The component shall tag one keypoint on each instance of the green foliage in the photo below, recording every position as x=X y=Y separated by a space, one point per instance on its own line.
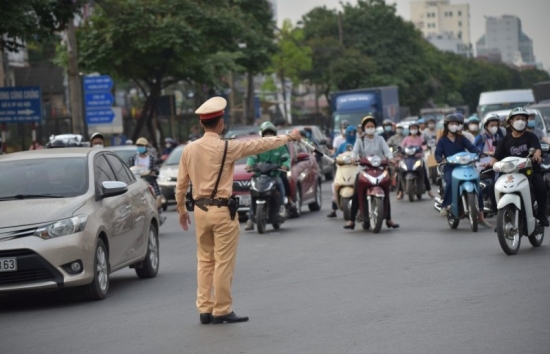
x=33 y=20
x=293 y=57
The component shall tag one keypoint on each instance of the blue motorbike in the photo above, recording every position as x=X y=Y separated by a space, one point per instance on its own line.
x=465 y=189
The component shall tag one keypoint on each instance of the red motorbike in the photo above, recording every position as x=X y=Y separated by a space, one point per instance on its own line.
x=373 y=186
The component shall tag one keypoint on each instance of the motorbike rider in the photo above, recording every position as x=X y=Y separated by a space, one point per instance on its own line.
x=273 y=156
x=451 y=143
x=473 y=126
x=461 y=130
x=531 y=127
x=429 y=133
x=415 y=139
x=421 y=124
x=388 y=129
x=97 y=140
x=341 y=137
x=169 y=146
x=370 y=145
x=351 y=134
x=146 y=161
x=398 y=137
x=517 y=143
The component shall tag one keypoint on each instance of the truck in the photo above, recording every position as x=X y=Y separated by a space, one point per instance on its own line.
x=506 y=100
x=379 y=102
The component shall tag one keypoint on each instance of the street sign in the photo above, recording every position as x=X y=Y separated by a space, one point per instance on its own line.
x=20 y=104
x=98 y=100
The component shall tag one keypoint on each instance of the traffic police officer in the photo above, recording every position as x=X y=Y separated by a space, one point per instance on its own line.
x=217 y=233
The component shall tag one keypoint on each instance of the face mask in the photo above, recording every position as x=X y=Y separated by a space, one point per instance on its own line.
x=460 y=127
x=473 y=127
x=431 y=126
x=531 y=124
x=414 y=131
x=98 y=145
x=453 y=128
x=387 y=128
x=519 y=125
x=167 y=145
x=370 y=131
x=493 y=130
x=141 y=149
x=400 y=131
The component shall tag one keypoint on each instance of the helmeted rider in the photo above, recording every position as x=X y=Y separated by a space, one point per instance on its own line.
x=398 y=137
x=274 y=156
x=340 y=138
x=517 y=143
x=370 y=145
x=461 y=130
x=473 y=126
x=145 y=160
x=351 y=137
x=532 y=127
x=388 y=129
x=451 y=143
x=421 y=124
x=429 y=133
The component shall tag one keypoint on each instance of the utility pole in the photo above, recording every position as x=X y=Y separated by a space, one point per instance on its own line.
x=75 y=87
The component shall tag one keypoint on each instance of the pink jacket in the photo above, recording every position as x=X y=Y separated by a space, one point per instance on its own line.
x=412 y=140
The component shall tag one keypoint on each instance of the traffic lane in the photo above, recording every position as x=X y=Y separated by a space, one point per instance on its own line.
x=313 y=287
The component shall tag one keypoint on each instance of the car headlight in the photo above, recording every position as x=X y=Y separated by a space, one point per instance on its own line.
x=163 y=178
x=62 y=227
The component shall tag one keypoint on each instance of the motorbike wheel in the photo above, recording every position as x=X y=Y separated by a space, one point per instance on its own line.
x=410 y=189
x=472 y=210
x=346 y=208
x=377 y=214
x=453 y=223
x=507 y=232
x=536 y=239
x=261 y=217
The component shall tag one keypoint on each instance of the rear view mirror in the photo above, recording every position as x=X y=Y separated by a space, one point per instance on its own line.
x=303 y=156
x=113 y=188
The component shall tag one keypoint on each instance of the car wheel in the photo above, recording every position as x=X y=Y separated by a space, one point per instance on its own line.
x=150 y=265
x=316 y=205
x=98 y=288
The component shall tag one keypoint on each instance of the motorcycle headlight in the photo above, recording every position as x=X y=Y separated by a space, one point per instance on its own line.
x=253 y=184
x=403 y=165
x=410 y=151
x=375 y=161
x=270 y=185
x=417 y=164
x=62 y=227
x=463 y=160
x=504 y=166
x=289 y=174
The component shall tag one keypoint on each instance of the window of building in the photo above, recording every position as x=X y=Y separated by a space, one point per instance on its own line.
x=459 y=13
x=459 y=23
x=451 y=14
x=459 y=35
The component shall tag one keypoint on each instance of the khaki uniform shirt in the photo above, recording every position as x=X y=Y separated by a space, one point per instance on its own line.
x=201 y=159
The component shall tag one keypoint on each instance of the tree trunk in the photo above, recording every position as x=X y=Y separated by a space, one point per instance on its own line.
x=142 y=118
x=250 y=111
x=283 y=88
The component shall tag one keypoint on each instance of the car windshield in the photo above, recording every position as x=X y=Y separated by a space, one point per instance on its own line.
x=125 y=155
x=174 y=157
x=545 y=111
x=500 y=107
x=43 y=178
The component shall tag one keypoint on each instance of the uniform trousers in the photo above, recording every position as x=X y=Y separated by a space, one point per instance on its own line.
x=217 y=239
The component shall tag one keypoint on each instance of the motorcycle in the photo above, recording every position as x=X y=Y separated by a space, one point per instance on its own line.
x=265 y=197
x=465 y=189
x=146 y=175
x=344 y=181
x=374 y=178
x=411 y=171
x=545 y=169
x=516 y=205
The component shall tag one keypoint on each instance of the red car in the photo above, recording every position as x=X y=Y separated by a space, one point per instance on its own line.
x=304 y=178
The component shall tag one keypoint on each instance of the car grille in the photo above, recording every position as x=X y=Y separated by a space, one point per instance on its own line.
x=241 y=186
x=10 y=233
x=30 y=268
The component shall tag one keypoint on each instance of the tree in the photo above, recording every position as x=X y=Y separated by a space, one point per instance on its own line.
x=292 y=58
x=23 y=21
x=259 y=45
x=156 y=43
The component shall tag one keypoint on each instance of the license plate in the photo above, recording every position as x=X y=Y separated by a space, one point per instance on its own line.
x=244 y=200
x=8 y=264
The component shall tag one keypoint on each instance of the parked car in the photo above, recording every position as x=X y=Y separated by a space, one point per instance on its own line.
x=168 y=175
x=326 y=168
x=71 y=217
x=125 y=152
x=304 y=180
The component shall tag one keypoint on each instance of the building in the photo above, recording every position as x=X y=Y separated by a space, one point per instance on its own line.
x=447 y=42
x=434 y=17
x=503 y=35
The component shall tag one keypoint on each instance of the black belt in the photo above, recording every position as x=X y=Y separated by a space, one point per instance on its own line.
x=201 y=203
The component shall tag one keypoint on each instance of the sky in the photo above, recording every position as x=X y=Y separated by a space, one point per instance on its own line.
x=534 y=15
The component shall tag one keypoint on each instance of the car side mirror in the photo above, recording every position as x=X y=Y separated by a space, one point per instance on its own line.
x=113 y=188
x=303 y=156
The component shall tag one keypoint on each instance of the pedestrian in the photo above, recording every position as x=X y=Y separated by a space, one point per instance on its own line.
x=208 y=164
x=97 y=140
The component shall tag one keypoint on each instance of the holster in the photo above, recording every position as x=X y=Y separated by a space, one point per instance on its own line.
x=233 y=206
